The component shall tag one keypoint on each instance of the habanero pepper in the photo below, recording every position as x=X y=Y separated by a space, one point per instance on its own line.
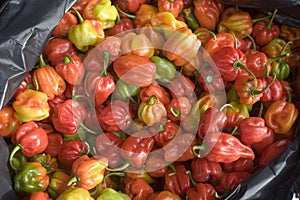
x=211 y=79
x=58 y=183
x=47 y=161
x=38 y=196
x=203 y=170
x=30 y=139
x=164 y=195
x=239 y=165
x=109 y=193
x=174 y=7
x=277 y=47
x=178 y=108
x=144 y=15
x=121 y=26
x=190 y=18
x=138 y=189
x=62 y=28
x=165 y=69
x=235 y=113
x=155 y=164
x=8 y=123
x=289 y=33
x=281 y=69
x=274 y=92
x=202 y=191
x=259 y=147
x=32 y=178
x=130 y=5
x=156 y=38
x=125 y=91
x=75 y=193
x=221 y=40
x=136 y=147
x=165 y=133
x=25 y=84
x=154 y=89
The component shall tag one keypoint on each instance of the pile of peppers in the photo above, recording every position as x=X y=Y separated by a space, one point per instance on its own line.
x=153 y=100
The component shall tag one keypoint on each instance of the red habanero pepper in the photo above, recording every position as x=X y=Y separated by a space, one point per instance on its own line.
x=273 y=150
x=55 y=141
x=70 y=151
x=8 y=123
x=121 y=26
x=274 y=92
x=211 y=79
x=108 y=145
x=155 y=164
x=80 y=5
x=130 y=5
x=182 y=86
x=56 y=49
x=207 y=13
x=38 y=196
x=223 y=147
x=157 y=90
x=287 y=89
x=30 y=139
x=204 y=170
x=235 y=113
x=67 y=116
x=71 y=69
x=178 y=108
x=164 y=195
x=221 y=40
x=165 y=133
x=115 y=117
x=239 y=165
x=180 y=148
x=136 y=147
x=265 y=31
x=135 y=70
x=138 y=189
x=252 y=130
x=25 y=84
x=259 y=147
x=62 y=28
x=173 y=6
x=177 y=181
x=202 y=191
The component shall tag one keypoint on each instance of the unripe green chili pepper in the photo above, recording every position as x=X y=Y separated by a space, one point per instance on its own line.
x=32 y=178
x=281 y=69
x=19 y=161
x=165 y=69
x=75 y=193
x=58 y=183
x=124 y=91
x=189 y=17
x=111 y=194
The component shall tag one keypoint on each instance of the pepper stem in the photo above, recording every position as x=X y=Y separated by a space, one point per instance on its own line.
x=105 y=56
x=122 y=174
x=73 y=181
x=124 y=13
x=175 y=112
x=237 y=65
x=235 y=40
x=171 y=166
x=222 y=196
x=81 y=124
x=255 y=91
x=76 y=97
x=252 y=41
x=261 y=107
x=194 y=183
x=80 y=18
x=126 y=165
x=12 y=154
x=152 y=99
x=198 y=148
x=42 y=61
x=269 y=25
x=68 y=59
x=284 y=48
x=289 y=100
x=234 y=131
x=260 y=19
x=85 y=82
x=36 y=83
x=204 y=31
x=225 y=106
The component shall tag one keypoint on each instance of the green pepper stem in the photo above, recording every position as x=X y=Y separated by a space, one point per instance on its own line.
x=175 y=112
x=199 y=148
x=68 y=59
x=252 y=41
x=152 y=99
x=237 y=65
x=194 y=183
x=278 y=58
x=76 y=97
x=80 y=18
x=261 y=107
x=171 y=0
x=284 y=48
x=222 y=196
x=105 y=56
x=254 y=91
x=120 y=134
x=126 y=165
x=85 y=82
x=289 y=100
x=269 y=25
x=124 y=13
x=81 y=124
x=42 y=61
x=36 y=83
x=121 y=174
x=73 y=181
x=118 y=18
x=267 y=69
x=171 y=166
x=260 y=19
x=234 y=131
x=235 y=40
x=12 y=154
x=225 y=106
x=204 y=31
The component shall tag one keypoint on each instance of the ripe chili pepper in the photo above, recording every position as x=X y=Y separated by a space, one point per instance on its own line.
x=62 y=28
x=8 y=123
x=121 y=26
x=154 y=89
x=109 y=193
x=46 y=79
x=235 y=113
x=55 y=141
x=202 y=191
x=273 y=150
x=180 y=148
x=207 y=13
x=38 y=196
x=115 y=117
x=221 y=40
x=165 y=69
x=178 y=108
x=155 y=164
x=138 y=189
x=239 y=165
x=56 y=49
x=182 y=86
x=87 y=172
x=212 y=120
x=31 y=105
x=29 y=138
x=58 y=183
x=130 y=5
x=236 y=21
x=47 y=161
x=108 y=145
x=125 y=91
x=25 y=84
x=204 y=170
x=136 y=148
x=193 y=65
x=274 y=92
x=174 y=7
x=80 y=5
x=265 y=31
x=259 y=147
x=165 y=133
x=87 y=33
x=230 y=181
x=280 y=116
x=223 y=147
x=18 y=161
x=70 y=151
x=211 y=79
x=144 y=15
x=75 y=193
x=152 y=111
x=135 y=70
x=177 y=181
x=252 y=130
x=156 y=38
x=102 y=11
x=32 y=178
x=289 y=33
x=181 y=46
x=164 y=195
x=71 y=69
x=67 y=116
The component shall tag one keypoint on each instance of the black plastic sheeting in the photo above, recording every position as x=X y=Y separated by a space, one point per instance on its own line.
x=26 y=26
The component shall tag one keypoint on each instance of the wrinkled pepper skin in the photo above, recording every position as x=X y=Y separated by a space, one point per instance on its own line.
x=75 y=193
x=165 y=133
x=55 y=141
x=174 y=7
x=259 y=147
x=155 y=90
x=8 y=123
x=178 y=108
x=138 y=189
x=235 y=113
x=58 y=183
x=31 y=105
x=136 y=148
x=38 y=196
x=265 y=31
x=165 y=69
x=239 y=165
x=32 y=178
x=121 y=26
x=109 y=193
x=280 y=116
x=130 y=5
x=62 y=28
x=202 y=191
x=281 y=70
x=164 y=195
x=274 y=92
x=204 y=170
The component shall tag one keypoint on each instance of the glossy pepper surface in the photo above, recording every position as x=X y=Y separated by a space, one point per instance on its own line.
x=58 y=183
x=252 y=130
x=8 y=123
x=138 y=189
x=165 y=69
x=75 y=193
x=109 y=193
x=173 y=7
x=62 y=28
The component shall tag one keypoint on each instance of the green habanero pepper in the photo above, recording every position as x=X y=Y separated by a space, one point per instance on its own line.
x=189 y=17
x=124 y=91
x=165 y=69
x=281 y=69
x=19 y=161
x=75 y=193
x=32 y=178
x=111 y=194
x=87 y=33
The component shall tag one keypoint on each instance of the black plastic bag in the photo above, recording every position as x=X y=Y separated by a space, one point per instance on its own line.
x=25 y=27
